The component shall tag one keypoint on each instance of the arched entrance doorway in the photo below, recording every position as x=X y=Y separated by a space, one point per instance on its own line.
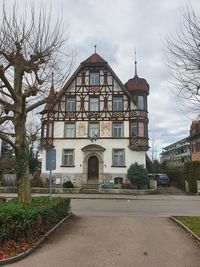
x=93 y=169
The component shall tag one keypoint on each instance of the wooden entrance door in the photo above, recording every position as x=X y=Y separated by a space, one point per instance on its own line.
x=93 y=168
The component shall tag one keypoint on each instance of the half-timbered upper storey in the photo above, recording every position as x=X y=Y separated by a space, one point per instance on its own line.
x=95 y=104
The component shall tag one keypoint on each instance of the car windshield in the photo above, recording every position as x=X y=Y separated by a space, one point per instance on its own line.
x=163 y=177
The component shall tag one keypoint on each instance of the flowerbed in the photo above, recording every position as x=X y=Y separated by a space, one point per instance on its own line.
x=22 y=225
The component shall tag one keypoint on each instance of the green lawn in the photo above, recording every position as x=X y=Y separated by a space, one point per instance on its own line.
x=192 y=222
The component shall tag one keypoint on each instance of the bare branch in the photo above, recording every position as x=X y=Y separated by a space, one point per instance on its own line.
x=5 y=118
x=183 y=59
x=35 y=105
x=7 y=105
x=6 y=82
x=4 y=137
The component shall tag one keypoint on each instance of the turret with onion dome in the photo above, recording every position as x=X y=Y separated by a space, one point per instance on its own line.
x=139 y=89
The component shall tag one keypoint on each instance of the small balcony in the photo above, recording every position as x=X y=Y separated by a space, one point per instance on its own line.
x=47 y=143
x=138 y=113
x=138 y=143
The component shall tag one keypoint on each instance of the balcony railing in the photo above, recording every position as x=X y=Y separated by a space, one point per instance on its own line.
x=138 y=143
x=47 y=142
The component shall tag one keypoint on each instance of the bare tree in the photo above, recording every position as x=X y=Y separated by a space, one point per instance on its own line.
x=183 y=59
x=30 y=49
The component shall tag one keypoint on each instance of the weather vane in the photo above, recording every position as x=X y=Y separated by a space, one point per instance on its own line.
x=135 y=63
x=52 y=77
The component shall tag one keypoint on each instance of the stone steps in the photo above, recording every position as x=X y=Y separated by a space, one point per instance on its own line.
x=90 y=188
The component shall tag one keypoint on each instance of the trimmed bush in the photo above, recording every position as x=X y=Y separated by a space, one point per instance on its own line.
x=138 y=175
x=18 y=220
x=192 y=174
x=68 y=184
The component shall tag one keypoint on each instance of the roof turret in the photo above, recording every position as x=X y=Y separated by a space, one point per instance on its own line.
x=137 y=84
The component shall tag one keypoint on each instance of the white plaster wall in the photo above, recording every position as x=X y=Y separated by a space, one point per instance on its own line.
x=126 y=128
x=108 y=144
x=58 y=129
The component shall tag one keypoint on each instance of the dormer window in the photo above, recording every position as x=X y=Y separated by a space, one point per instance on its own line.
x=94 y=78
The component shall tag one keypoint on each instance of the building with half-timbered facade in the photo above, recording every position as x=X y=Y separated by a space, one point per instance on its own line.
x=97 y=125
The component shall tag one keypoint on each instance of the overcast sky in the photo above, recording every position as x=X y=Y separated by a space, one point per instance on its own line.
x=118 y=27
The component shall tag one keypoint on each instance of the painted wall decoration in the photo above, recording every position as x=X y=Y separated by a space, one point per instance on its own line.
x=106 y=129
x=81 y=129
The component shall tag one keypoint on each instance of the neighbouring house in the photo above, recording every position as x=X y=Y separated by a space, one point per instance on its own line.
x=176 y=154
x=97 y=125
x=194 y=139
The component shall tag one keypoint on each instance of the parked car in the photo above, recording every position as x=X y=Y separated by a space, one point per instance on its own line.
x=162 y=179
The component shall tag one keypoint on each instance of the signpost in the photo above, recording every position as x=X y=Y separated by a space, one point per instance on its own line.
x=50 y=165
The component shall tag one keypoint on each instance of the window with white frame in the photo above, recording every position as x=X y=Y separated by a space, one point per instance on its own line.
x=117 y=103
x=140 y=102
x=118 y=157
x=133 y=128
x=94 y=104
x=141 y=129
x=138 y=129
x=68 y=157
x=44 y=133
x=94 y=78
x=118 y=129
x=93 y=130
x=70 y=130
x=70 y=104
x=50 y=132
x=47 y=131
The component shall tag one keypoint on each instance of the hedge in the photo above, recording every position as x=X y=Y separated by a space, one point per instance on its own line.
x=176 y=178
x=192 y=174
x=18 y=220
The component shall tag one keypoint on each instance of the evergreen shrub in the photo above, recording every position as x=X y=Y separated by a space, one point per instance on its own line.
x=138 y=175
x=192 y=174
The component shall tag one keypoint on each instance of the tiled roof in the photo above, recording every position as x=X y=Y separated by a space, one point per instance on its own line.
x=95 y=58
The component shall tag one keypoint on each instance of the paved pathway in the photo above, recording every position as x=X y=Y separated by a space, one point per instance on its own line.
x=117 y=242
x=126 y=231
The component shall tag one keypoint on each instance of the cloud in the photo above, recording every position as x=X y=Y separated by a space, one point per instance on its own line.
x=118 y=28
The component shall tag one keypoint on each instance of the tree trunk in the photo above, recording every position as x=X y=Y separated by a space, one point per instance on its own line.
x=21 y=144
x=22 y=162
x=22 y=173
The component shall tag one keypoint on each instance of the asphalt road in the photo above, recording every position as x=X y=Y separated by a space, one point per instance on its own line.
x=155 y=207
